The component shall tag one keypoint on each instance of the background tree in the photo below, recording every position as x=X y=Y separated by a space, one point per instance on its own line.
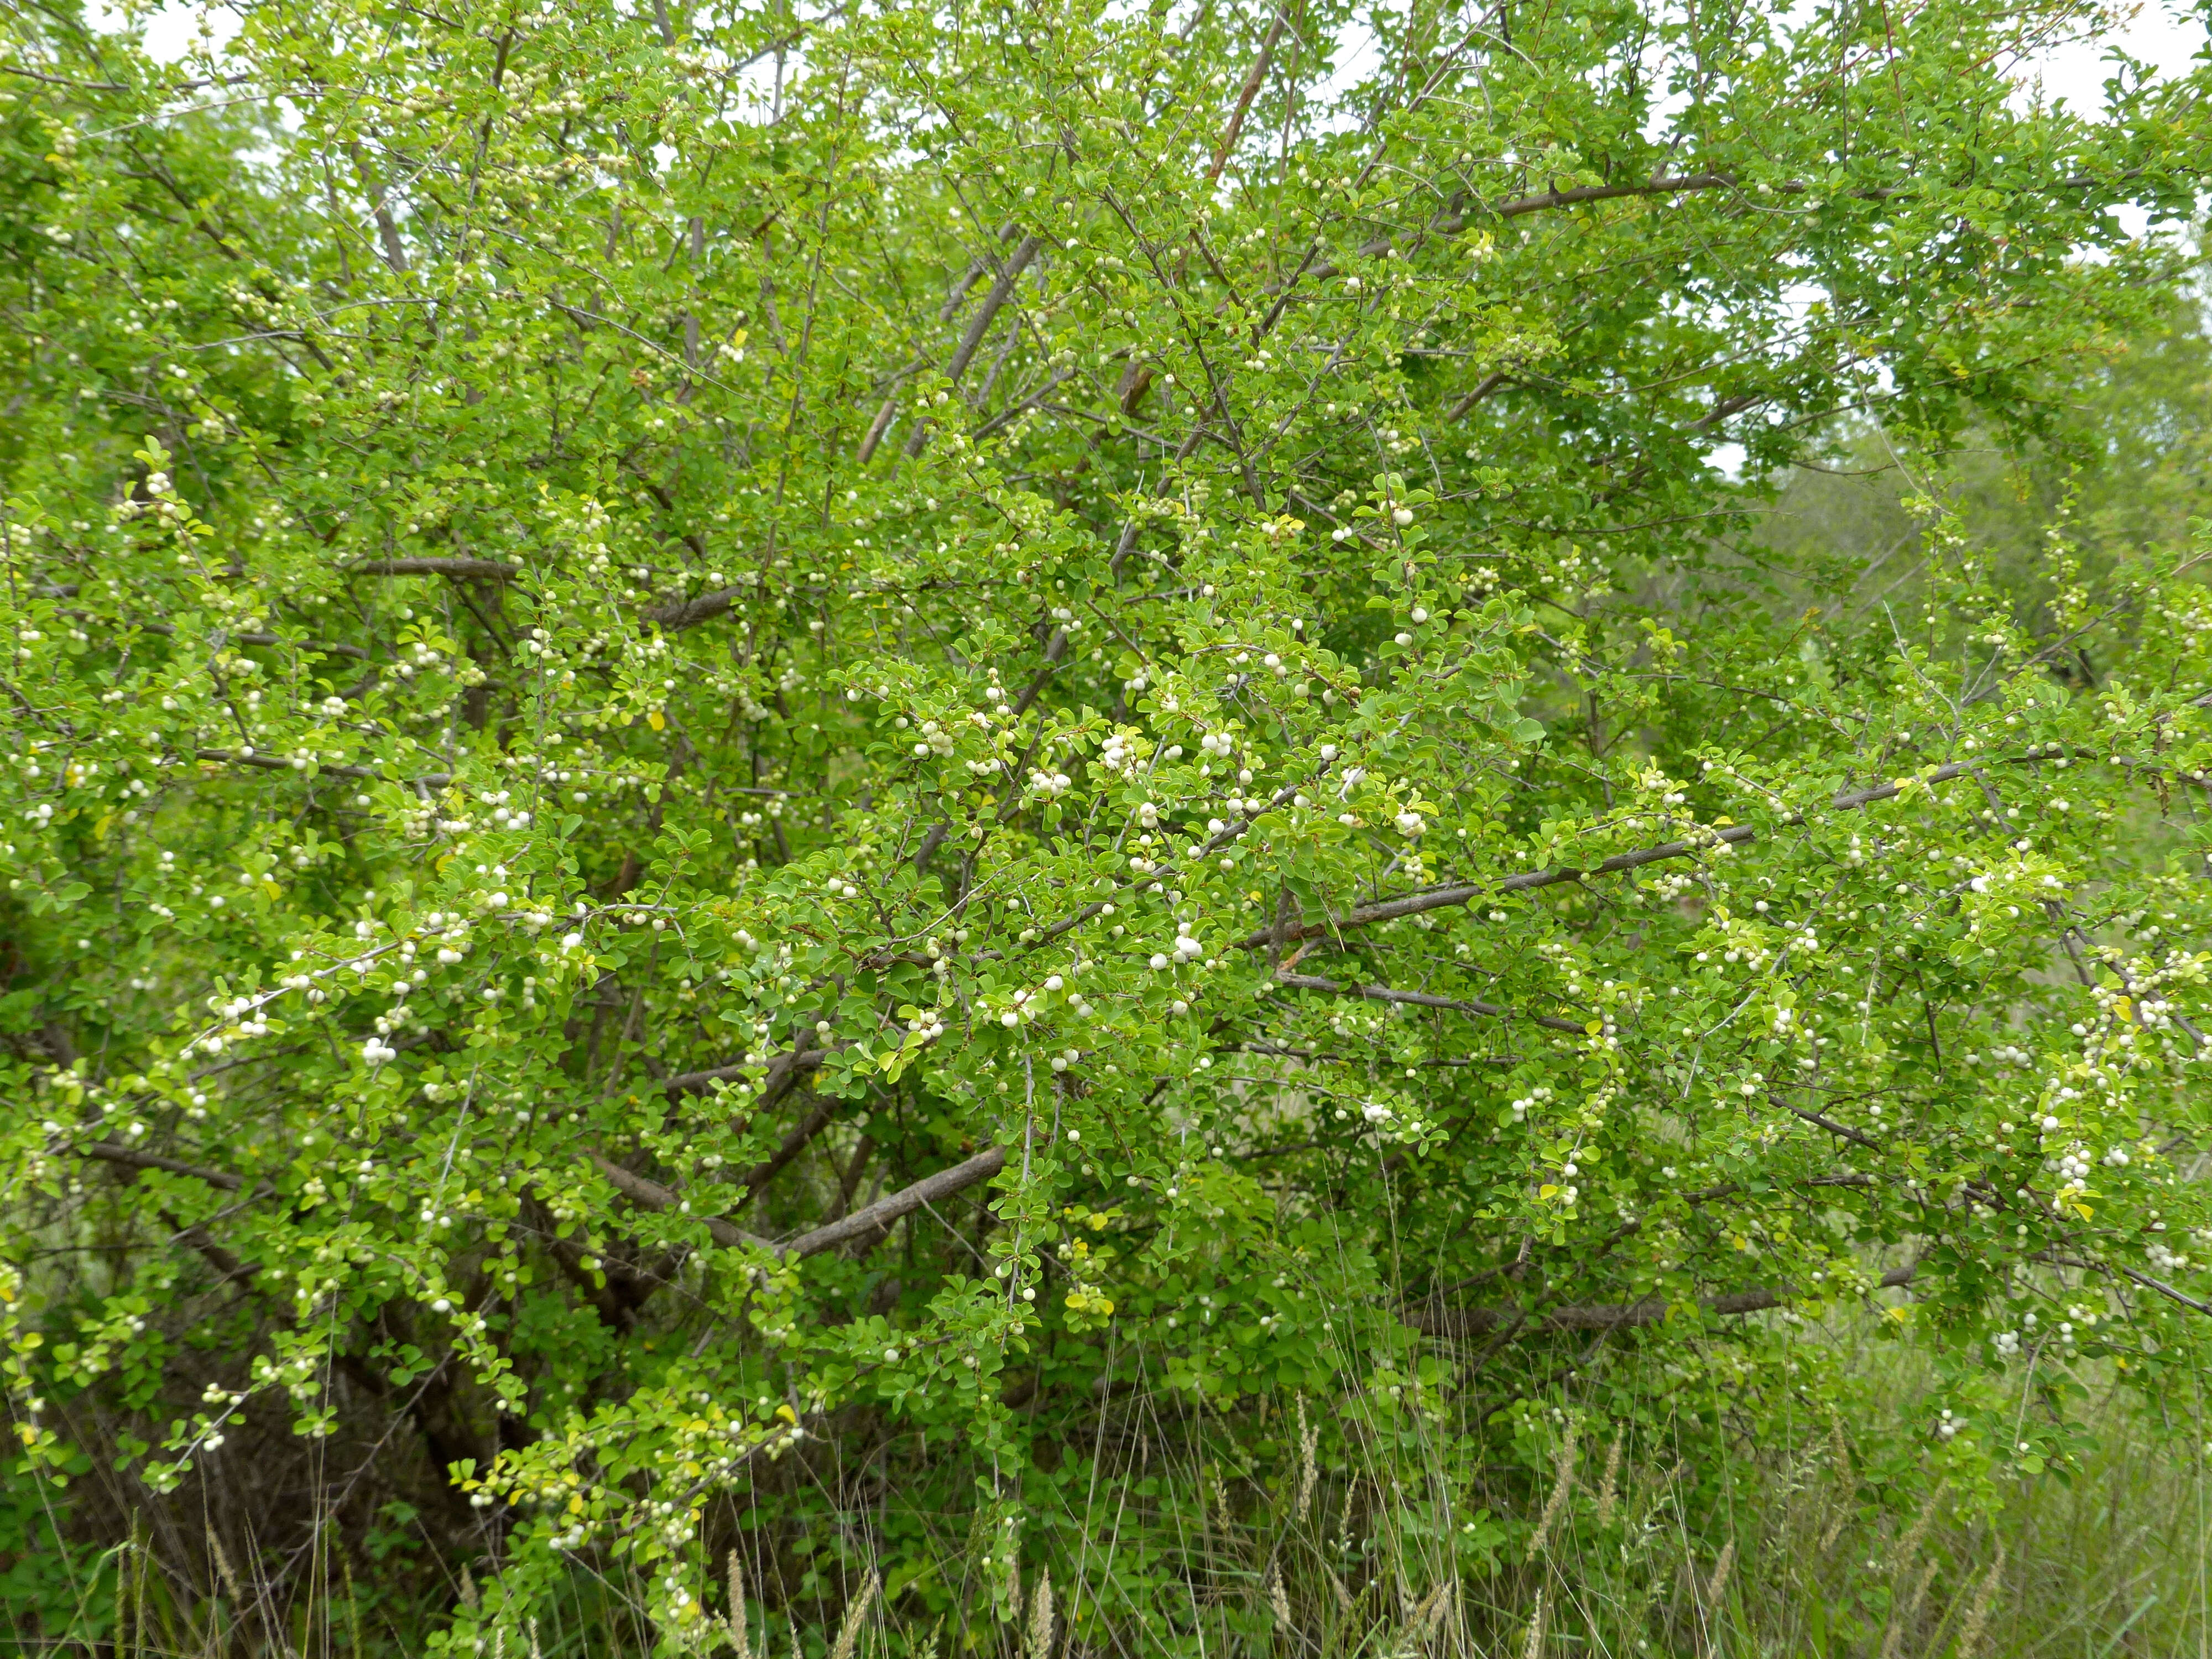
x=784 y=784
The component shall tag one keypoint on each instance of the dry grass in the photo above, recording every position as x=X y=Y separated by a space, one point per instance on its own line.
x=1805 y=1546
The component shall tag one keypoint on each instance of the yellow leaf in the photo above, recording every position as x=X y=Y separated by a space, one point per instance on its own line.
x=654 y=720
x=575 y=1502
x=1548 y=1191
x=2082 y=1210
x=2125 y=1007
x=786 y=1414
x=1594 y=1027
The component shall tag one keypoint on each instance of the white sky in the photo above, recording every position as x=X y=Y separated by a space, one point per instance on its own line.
x=2155 y=35
x=170 y=30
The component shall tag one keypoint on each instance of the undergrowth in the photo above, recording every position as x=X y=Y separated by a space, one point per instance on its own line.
x=1821 y=1537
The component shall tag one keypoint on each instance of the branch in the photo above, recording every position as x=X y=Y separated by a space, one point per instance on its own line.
x=67 y=590
x=325 y=647
x=1468 y=211
x=1245 y=96
x=226 y=1263
x=1465 y=210
x=993 y=301
x=1015 y=411
x=888 y=1210
x=109 y=1151
x=1422 y=999
x=73 y=85
x=705 y=608
x=793 y=1144
x=1483 y=388
x=1438 y=898
x=1609 y=1316
x=1168 y=870
x=277 y=763
x=880 y=1216
x=1055 y=649
x=437 y=567
x=652 y=1196
x=877 y=428
x=2164 y=1289
x=395 y=251
x=1828 y=1123
x=783 y=1072
x=1451 y=224
x=1001 y=291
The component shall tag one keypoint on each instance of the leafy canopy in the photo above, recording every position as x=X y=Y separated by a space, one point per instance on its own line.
x=742 y=741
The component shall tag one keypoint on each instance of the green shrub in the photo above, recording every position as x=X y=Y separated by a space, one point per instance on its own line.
x=946 y=798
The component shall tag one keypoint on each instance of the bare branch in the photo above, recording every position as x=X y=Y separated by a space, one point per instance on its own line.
x=1423 y=999
x=783 y=1072
x=1245 y=96
x=1001 y=291
x=434 y=566
x=878 y=1217
x=652 y=1196
x=109 y=1151
x=1843 y=1130
x=276 y=762
x=2163 y=1289
x=705 y=608
x=802 y=1134
x=1439 y=898
x=893 y=1208
x=1609 y=1316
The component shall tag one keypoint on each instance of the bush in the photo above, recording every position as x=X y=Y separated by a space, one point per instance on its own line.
x=929 y=802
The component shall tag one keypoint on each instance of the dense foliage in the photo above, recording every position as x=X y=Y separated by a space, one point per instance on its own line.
x=794 y=782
